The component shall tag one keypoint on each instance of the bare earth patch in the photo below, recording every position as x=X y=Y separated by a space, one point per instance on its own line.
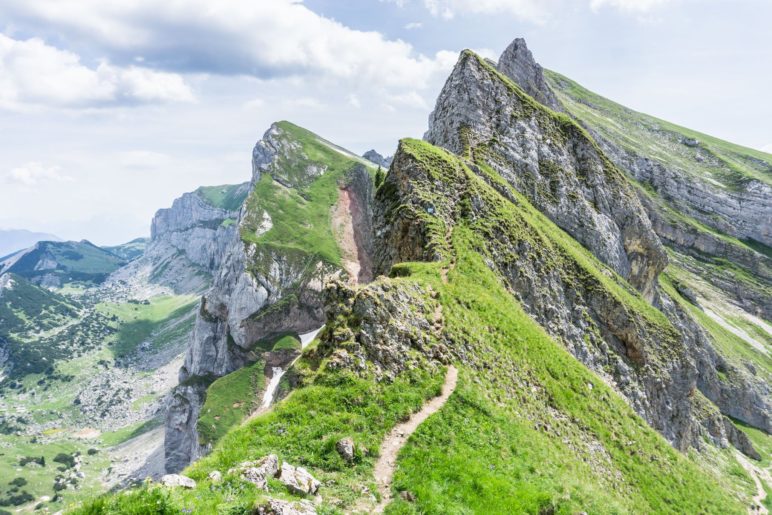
x=346 y=217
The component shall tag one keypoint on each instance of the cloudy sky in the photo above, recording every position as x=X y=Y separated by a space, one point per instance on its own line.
x=109 y=109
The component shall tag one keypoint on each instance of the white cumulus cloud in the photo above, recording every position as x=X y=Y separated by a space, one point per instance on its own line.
x=33 y=174
x=265 y=39
x=33 y=73
x=536 y=11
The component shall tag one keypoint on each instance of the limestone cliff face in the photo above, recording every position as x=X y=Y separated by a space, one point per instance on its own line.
x=552 y=161
x=695 y=216
x=258 y=291
x=189 y=242
x=744 y=213
x=706 y=198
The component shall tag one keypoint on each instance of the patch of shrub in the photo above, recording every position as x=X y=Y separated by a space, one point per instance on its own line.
x=17 y=500
x=40 y=460
x=65 y=459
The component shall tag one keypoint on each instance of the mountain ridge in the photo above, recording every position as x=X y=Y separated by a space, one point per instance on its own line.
x=607 y=363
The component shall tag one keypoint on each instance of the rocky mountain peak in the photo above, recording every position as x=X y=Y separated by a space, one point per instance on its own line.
x=482 y=115
x=375 y=157
x=518 y=64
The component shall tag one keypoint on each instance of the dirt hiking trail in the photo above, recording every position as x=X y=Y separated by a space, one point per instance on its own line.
x=397 y=438
x=758 y=474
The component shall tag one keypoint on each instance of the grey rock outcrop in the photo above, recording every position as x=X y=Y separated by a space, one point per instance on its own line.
x=743 y=213
x=392 y=324
x=553 y=162
x=281 y=507
x=258 y=472
x=189 y=242
x=374 y=157
x=180 y=435
x=518 y=64
x=177 y=480
x=298 y=479
x=345 y=447
x=741 y=395
x=740 y=440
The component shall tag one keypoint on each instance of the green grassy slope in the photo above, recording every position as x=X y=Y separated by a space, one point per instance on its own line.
x=227 y=196
x=31 y=320
x=538 y=432
x=159 y=316
x=129 y=250
x=300 y=215
x=528 y=430
x=729 y=165
x=74 y=262
x=26 y=308
x=229 y=400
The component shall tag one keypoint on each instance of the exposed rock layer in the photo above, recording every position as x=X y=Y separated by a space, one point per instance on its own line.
x=553 y=162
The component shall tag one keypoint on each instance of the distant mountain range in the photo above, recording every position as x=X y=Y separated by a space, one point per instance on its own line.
x=14 y=240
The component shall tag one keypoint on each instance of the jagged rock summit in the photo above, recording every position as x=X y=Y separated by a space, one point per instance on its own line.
x=546 y=156
x=518 y=63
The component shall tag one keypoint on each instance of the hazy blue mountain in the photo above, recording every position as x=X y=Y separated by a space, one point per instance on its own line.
x=14 y=240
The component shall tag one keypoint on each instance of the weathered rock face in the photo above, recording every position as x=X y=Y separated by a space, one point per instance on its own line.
x=703 y=245
x=258 y=292
x=744 y=397
x=655 y=365
x=743 y=213
x=394 y=329
x=706 y=198
x=701 y=220
x=553 y=162
x=281 y=507
x=298 y=479
x=181 y=439
x=259 y=472
x=177 y=481
x=518 y=64
x=189 y=242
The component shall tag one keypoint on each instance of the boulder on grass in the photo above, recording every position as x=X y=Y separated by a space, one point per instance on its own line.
x=298 y=479
x=280 y=507
x=177 y=480
x=258 y=472
x=345 y=448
